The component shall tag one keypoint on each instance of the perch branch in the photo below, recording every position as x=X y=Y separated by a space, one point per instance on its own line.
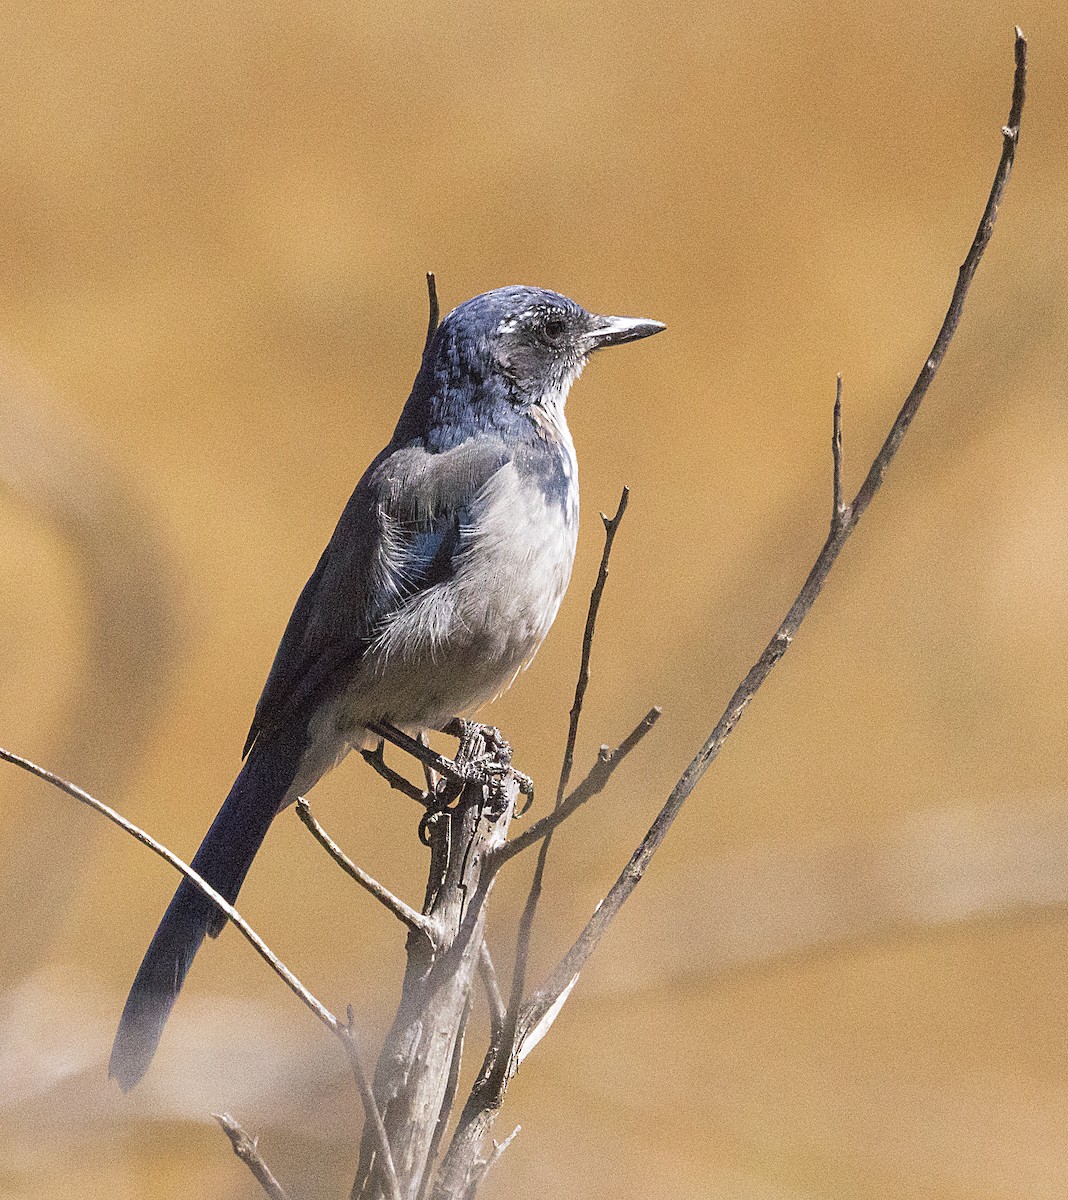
x=247 y=1149
x=549 y=996
x=336 y=1027
x=403 y=912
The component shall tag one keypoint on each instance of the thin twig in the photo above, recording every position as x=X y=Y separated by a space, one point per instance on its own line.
x=258 y=944
x=434 y=315
x=247 y=1149
x=525 y=932
x=565 y=974
x=336 y=1027
x=595 y=782
x=611 y=525
x=498 y=1149
x=403 y=912
x=838 y=511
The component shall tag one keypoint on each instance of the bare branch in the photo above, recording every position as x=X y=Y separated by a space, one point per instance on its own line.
x=594 y=783
x=611 y=525
x=403 y=912
x=340 y=1030
x=498 y=1149
x=838 y=510
x=258 y=944
x=247 y=1149
x=563 y=977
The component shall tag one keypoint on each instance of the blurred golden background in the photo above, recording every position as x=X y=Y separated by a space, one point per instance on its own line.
x=847 y=973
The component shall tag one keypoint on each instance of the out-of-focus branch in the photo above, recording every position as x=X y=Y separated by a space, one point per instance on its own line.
x=403 y=912
x=247 y=1149
x=58 y=470
x=488 y=973
x=844 y=520
x=339 y=1029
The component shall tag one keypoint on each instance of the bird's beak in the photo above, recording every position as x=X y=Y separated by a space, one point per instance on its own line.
x=614 y=331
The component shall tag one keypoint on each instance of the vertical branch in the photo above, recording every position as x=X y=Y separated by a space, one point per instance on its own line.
x=525 y=932
x=611 y=525
x=548 y=997
x=460 y=1170
x=838 y=510
x=418 y=1067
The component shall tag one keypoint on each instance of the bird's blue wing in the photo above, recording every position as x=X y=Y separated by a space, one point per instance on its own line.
x=399 y=534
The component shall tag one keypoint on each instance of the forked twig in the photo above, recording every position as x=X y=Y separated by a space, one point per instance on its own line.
x=844 y=520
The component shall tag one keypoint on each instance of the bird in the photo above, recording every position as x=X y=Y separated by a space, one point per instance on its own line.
x=441 y=580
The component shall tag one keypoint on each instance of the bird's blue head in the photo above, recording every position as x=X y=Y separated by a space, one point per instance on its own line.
x=505 y=361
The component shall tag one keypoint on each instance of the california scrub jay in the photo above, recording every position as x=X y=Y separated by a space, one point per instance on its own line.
x=440 y=581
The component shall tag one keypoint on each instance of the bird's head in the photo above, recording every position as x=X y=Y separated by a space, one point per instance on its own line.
x=513 y=350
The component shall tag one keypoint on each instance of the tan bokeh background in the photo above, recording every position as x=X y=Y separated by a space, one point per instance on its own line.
x=847 y=973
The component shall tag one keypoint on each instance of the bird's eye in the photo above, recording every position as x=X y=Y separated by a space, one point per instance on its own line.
x=555 y=328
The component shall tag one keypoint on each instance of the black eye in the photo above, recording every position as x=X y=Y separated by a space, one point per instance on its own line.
x=554 y=328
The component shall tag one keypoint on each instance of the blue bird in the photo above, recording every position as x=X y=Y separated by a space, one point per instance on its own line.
x=440 y=582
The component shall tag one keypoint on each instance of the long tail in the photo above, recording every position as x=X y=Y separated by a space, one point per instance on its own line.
x=223 y=860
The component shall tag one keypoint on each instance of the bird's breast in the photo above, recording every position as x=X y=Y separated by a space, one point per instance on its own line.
x=462 y=641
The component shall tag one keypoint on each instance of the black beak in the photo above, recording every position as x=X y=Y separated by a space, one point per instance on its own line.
x=614 y=331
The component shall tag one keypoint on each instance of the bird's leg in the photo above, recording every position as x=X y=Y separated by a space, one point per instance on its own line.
x=428 y=757
x=431 y=776
x=376 y=760
x=483 y=757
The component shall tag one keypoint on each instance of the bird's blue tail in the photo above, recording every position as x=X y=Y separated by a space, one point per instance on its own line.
x=223 y=860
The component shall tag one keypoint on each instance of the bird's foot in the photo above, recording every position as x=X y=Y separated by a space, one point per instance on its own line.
x=483 y=756
x=487 y=757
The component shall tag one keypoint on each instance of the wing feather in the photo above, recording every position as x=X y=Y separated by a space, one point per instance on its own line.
x=399 y=534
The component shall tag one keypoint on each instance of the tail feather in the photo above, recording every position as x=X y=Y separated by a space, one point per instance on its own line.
x=223 y=860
